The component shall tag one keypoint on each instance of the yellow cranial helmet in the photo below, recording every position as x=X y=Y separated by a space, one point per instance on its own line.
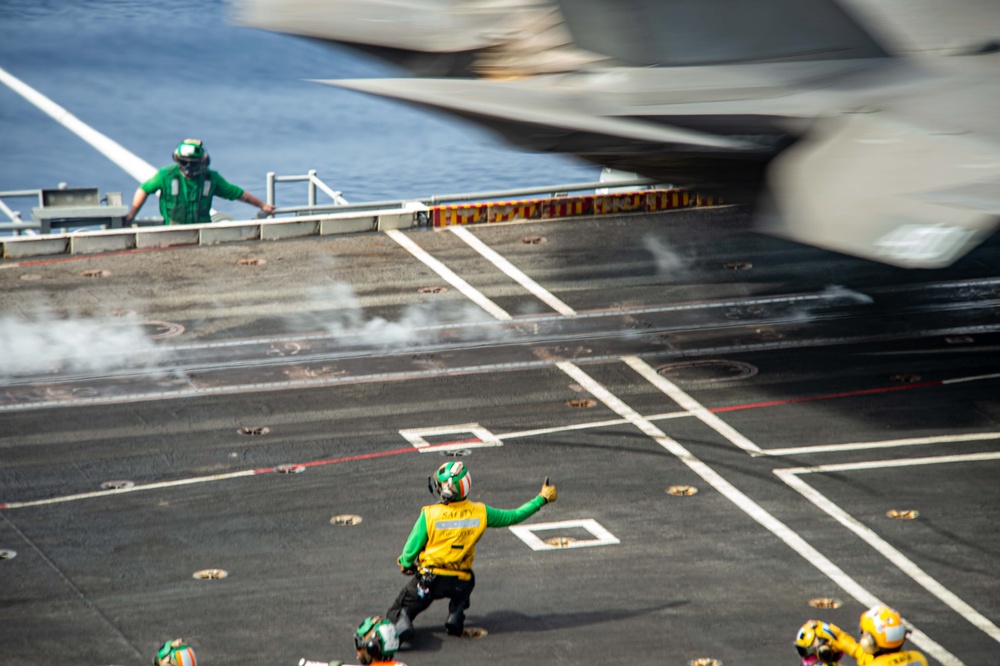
x=881 y=629
x=813 y=645
x=805 y=639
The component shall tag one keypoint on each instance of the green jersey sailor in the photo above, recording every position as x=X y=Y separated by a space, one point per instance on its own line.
x=442 y=545
x=188 y=186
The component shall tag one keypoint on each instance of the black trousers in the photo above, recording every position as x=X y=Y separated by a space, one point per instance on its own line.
x=421 y=591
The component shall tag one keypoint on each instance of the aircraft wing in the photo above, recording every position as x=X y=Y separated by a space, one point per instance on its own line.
x=495 y=99
x=854 y=149
x=508 y=38
x=876 y=186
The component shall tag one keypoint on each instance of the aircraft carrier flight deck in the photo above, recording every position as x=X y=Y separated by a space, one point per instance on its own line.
x=745 y=433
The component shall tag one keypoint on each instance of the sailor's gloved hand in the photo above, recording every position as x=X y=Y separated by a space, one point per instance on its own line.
x=548 y=492
x=827 y=631
x=408 y=571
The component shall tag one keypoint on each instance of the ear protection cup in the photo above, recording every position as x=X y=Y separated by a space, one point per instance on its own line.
x=371 y=648
x=825 y=654
x=867 y=643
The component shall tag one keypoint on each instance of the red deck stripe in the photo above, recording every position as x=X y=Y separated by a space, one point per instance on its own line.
x=332 y=461
x=828 y=396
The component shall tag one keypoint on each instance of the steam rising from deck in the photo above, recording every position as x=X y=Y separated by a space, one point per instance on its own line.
x=45 y=344
x=339 y=313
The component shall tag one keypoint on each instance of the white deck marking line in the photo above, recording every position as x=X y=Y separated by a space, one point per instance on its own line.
x=814 y=557
x=900 y=462
x=453 y=446
x=512 y=271
x=417 y=437
x=885 y=444
x=970 y=379
x=133 y=489
x=690 y=404
x=449 y=275
x=903 y=563
x=127 y=160
x=603 y=537
x=592 y=424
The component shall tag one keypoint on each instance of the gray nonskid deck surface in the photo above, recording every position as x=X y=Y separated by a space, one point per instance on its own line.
x=251 y=402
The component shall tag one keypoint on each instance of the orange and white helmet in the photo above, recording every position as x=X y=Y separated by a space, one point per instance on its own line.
x=452 y=482
x=881 y=629
x=175 y=653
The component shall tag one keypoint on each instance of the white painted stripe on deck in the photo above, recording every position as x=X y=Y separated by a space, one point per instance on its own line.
x=590 y=424
x=126 y=159
x=602 y=537
x=903 y=563
x=449 y=275
x=694 y=407
x=976 y=378
x=133 y=489
x=512 y=271
x=901 y=462
x=748 y=506
x=885 y=444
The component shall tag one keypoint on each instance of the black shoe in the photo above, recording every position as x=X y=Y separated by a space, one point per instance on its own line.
x=453 y=628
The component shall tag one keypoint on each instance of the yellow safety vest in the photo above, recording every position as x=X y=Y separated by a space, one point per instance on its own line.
x=903 y=658
x=452 y=532
x=906 y=658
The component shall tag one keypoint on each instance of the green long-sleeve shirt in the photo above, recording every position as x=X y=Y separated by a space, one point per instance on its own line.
x=494 y=518
x=187 y=201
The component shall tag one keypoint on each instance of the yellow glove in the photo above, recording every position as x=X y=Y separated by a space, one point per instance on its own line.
x=830 y=632
x=548 y=492
x=826 y=631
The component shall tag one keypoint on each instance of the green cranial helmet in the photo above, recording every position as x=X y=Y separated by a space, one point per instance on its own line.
x=175 y=653
x=452 y=482
x=191 y=156
x=375 y=639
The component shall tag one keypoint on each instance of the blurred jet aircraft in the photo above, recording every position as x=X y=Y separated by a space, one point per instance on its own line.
x=796 y=106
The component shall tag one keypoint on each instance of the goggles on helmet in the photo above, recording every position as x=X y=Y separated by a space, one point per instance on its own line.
x=191 y=157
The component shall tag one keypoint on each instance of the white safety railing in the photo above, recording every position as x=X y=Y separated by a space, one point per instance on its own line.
x=314 y=184
x=15 y=224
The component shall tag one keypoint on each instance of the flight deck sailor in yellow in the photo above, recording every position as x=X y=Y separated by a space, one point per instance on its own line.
x=442 y=545
x=881 y=644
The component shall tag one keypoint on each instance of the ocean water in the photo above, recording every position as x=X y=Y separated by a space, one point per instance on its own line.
x=150 y=74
